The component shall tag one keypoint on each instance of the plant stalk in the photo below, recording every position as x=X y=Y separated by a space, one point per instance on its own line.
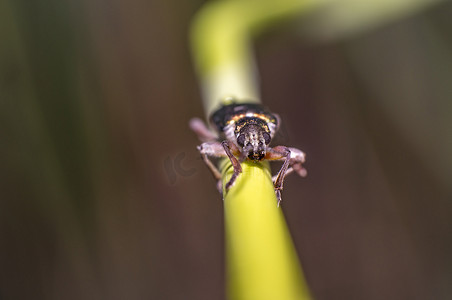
x=261 y=261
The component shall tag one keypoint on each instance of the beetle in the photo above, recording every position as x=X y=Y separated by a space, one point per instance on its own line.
x=244 y=132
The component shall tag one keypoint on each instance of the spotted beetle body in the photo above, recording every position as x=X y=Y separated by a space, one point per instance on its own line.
x=249 y=126
x=246 y=131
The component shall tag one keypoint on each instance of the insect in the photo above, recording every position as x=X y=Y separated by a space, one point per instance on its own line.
x=244 y=132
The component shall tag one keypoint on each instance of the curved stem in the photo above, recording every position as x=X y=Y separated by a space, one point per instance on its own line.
x=221 y=36
x=261 y=260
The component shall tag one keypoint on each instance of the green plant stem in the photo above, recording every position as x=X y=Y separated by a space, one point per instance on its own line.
x=221 y=35
x=261 y=259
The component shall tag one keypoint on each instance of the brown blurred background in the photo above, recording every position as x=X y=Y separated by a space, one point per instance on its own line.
x=102 y=193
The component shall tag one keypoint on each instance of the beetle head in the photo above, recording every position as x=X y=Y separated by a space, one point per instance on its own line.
x=253 y=139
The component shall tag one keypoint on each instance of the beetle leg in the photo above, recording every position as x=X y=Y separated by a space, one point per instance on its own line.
x=289 y=171
x=235 y=163
x=201 y=130
x=280 y=153
x=224 y=149
x=297 y=167
x=293 y=159
x=212 y=149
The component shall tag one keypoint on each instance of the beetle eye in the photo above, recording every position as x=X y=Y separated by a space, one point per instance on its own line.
x=267 y=138
x=241 y=139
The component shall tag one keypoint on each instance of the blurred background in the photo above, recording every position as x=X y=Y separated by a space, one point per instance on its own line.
x=103 y=194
